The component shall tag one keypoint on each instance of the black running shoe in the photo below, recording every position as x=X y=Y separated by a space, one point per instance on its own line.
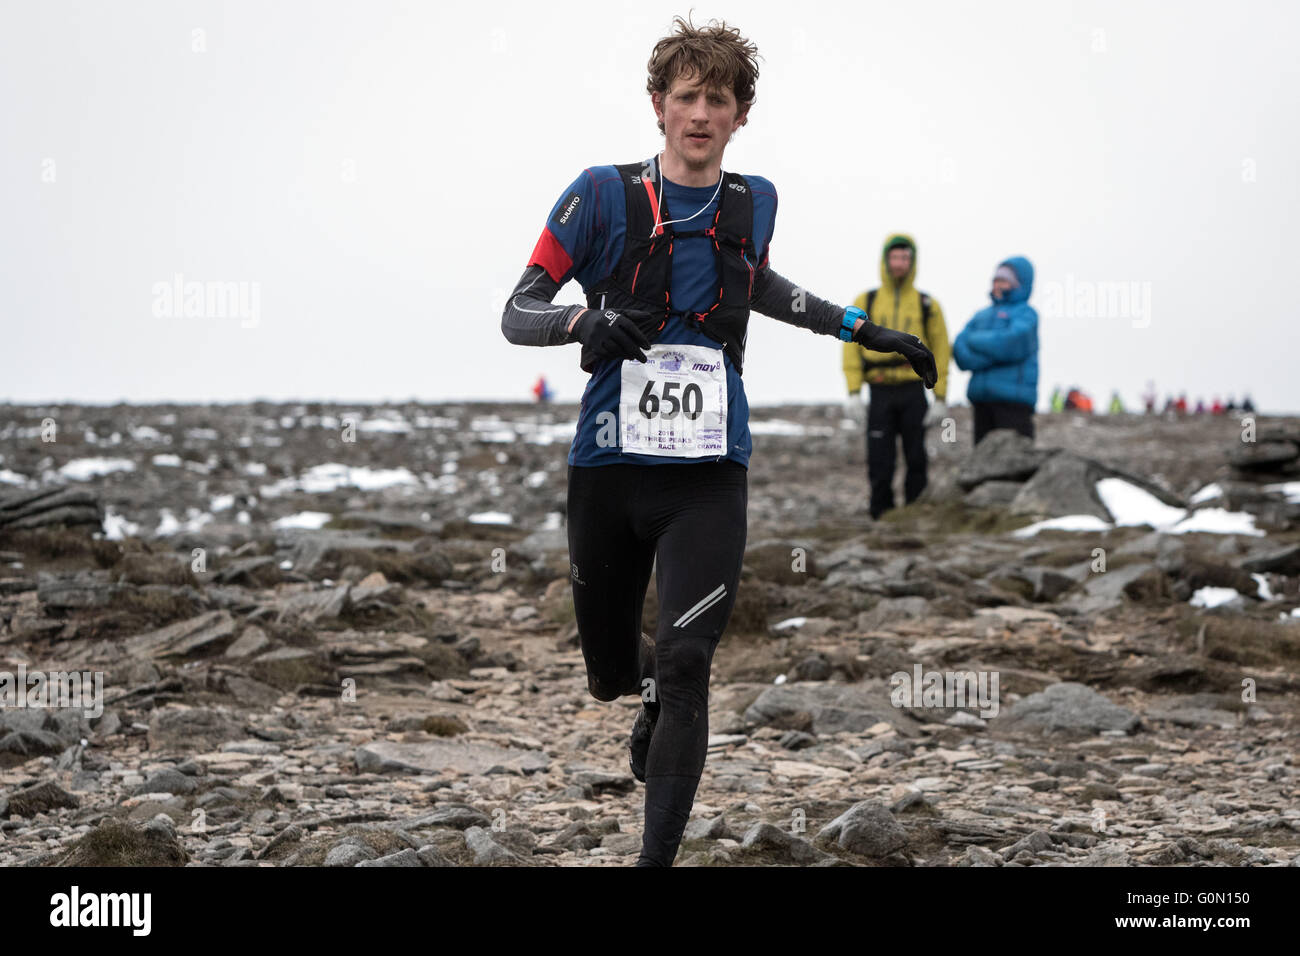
x=638 y=745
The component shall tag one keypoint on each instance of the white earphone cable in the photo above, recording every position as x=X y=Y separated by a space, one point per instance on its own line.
x=659 y=200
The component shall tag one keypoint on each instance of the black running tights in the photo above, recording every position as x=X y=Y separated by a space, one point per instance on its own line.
x=687 y=521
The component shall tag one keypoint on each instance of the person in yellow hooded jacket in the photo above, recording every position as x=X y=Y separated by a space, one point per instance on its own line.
x=897 y=407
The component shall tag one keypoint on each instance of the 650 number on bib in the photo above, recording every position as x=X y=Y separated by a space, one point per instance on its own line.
x=675 y=403
x=690 y=405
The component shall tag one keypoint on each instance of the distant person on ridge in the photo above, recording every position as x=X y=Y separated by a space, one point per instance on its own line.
x=897 y=406
x=1000 y=347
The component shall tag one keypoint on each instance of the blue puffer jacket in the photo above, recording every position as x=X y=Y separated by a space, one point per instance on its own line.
x=1000 y=345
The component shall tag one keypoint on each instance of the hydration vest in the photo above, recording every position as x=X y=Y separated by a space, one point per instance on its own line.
x=643 y=276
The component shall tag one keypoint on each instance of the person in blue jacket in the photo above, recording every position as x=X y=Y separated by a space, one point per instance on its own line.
x=999 y=346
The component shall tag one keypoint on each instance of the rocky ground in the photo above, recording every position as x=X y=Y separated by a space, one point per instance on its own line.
x=343 y=636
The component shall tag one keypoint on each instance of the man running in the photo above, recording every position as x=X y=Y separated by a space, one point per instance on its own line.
x=672 y=254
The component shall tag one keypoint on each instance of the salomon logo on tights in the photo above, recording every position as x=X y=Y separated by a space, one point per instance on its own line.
x=710 y=599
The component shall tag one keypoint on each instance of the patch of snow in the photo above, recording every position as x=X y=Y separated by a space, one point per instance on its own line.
x=385 y=425
x=791 y=622
x=116 y=527
x=83 y=469
x=426 y=421
x=1130 y=505
x=311 y=520
x=1291 y=489
x=1218 y=521
x=168 y=524
x=492 y=428
x=322 y=479
x=1208 y=597
x=1208 y=493
x=148 y=433
x=490 y=517
x=1064 y=523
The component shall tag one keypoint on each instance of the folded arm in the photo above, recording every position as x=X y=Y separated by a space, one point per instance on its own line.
x=1013 y=343
x=968 y=360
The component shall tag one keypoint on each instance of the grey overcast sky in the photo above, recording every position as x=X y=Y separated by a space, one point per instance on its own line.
x=376 y=174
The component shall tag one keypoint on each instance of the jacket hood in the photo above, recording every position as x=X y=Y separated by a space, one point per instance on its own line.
x=886 y=280
x=1024 y=271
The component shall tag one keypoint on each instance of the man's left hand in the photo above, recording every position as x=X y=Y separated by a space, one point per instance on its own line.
x=909 y=346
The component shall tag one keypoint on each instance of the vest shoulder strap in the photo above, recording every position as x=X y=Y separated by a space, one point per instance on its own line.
x=641 y=200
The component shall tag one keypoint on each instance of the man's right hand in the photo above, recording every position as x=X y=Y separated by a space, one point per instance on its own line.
x=855 y=408
x=611 y=334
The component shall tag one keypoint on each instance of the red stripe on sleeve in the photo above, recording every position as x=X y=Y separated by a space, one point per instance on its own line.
x=550 y=255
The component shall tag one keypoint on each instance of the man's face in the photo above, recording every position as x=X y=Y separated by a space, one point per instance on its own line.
x=1000 y=288
x=900 y=261
x=697 y=122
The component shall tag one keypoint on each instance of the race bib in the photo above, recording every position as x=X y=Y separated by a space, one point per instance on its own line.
x=675 y=404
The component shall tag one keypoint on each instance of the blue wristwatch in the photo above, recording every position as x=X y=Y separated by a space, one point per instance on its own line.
x=851 y=315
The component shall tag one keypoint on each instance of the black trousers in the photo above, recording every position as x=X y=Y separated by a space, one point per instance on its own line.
x=897 y=411
x=1014 y=415
x=687 y=521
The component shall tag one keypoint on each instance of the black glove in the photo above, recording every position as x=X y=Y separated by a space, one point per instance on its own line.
x=612 y=334
x=910 y=347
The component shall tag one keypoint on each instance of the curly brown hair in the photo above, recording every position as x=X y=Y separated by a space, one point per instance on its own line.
x=715 y=52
